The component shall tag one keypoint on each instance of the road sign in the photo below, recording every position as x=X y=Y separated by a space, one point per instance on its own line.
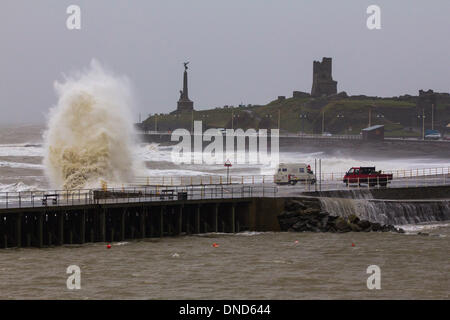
x=228 y=165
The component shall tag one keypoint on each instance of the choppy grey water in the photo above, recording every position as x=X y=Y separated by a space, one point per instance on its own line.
x=243 y=266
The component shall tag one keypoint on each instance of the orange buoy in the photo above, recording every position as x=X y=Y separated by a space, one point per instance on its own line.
x=353 y=244
x=108 y=246
x=215 y=245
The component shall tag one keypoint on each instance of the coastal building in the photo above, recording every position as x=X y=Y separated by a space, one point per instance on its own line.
x=373 y=133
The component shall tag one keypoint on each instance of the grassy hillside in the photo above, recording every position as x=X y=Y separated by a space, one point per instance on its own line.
x=341 y=116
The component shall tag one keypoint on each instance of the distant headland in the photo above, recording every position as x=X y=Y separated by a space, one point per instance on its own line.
x=323 y=109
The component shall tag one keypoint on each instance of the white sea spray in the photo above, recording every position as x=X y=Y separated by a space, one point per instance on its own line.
x=90 y=132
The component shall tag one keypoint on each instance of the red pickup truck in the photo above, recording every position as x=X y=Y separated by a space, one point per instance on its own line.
x=367 y=175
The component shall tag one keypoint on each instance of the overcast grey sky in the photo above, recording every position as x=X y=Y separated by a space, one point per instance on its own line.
x=246 y=51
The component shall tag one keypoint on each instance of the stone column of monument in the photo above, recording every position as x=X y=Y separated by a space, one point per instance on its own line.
x=184 y=103
x=185 y=85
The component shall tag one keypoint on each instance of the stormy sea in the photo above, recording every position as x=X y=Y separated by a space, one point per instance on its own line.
x=246 y=265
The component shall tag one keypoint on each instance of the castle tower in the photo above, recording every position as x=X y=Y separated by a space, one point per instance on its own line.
x=323 y=83
x=184 y=104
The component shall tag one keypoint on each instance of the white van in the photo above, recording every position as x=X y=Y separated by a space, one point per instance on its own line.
x=291 y=173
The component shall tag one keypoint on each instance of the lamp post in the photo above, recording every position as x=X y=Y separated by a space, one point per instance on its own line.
x=380 y=116
x=227 y=164
x=177 y=117
x=269 y=116
x=432 y=116
x=371 y=106
x=303 y=116
x=232 y=119
x=340 y=116
x=192 y=122
x=205 y=117
x=323 y=121
x=279 y=117
x=232 y=116
x=422 y=116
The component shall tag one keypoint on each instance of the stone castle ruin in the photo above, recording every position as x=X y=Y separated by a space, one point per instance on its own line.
x=323 y=83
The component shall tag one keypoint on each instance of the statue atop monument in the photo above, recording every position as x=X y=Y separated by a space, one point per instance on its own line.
x=184 y=103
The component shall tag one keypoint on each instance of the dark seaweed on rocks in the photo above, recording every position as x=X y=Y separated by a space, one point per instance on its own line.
x=306 y=215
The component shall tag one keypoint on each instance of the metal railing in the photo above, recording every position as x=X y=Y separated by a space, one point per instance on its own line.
x=204 y=180
x=321 y=136
x=397 y=173
x=49 y=198
x=377 y=183
x=283 y=135
x=212 y=187
x=270 y=179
